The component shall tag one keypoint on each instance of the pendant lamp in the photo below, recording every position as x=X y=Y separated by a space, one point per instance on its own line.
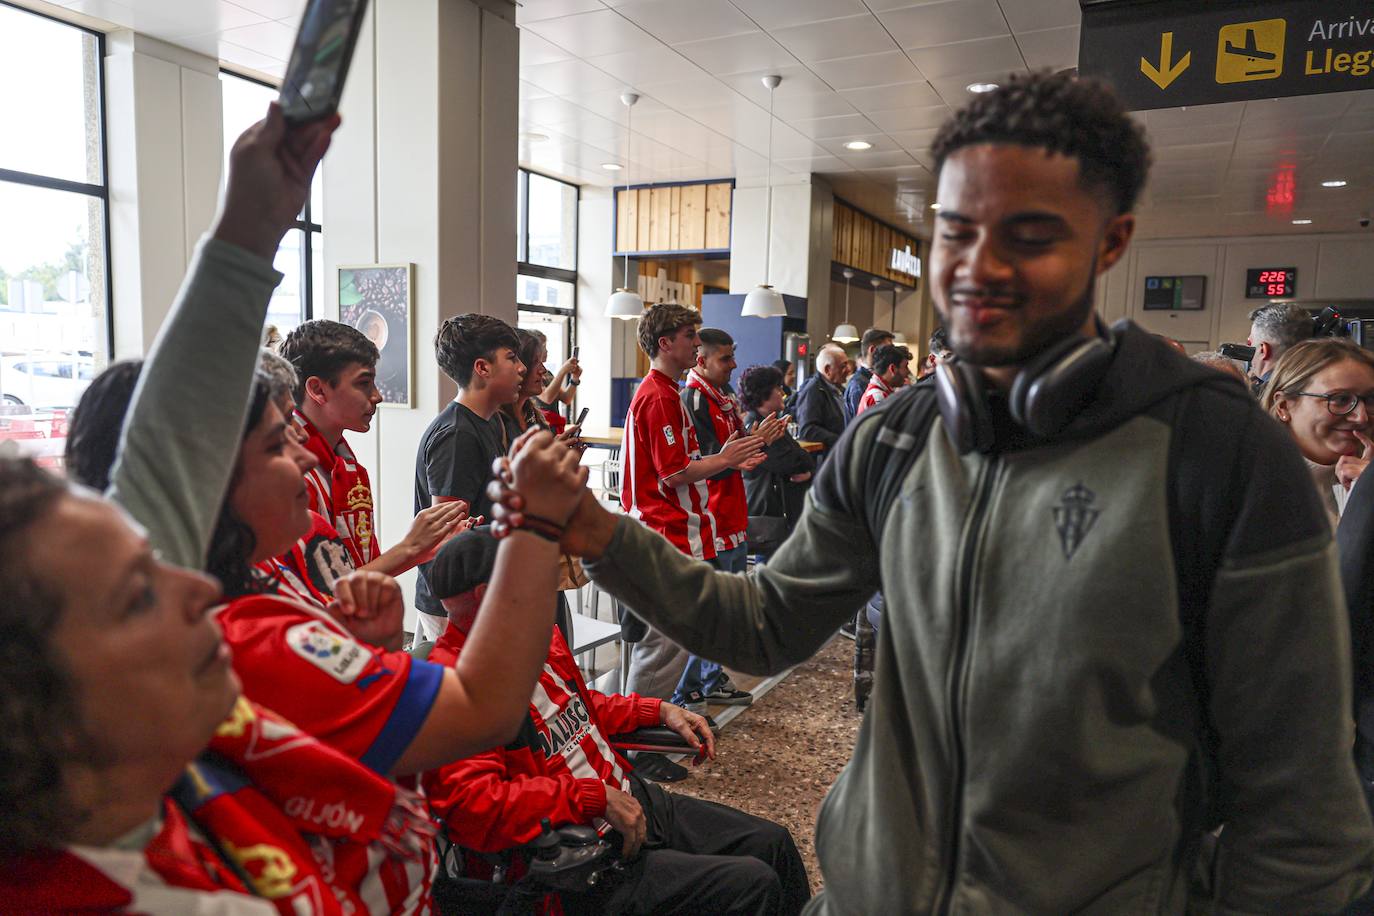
x=898 y=337
x=763 y=301
x=846 y=333
x=625 y=303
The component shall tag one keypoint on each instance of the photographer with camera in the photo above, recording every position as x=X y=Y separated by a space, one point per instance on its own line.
x=1273 y=330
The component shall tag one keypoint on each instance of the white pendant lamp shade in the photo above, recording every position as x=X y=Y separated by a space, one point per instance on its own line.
x=846 y=332
x=624 y=303
x=764 y=302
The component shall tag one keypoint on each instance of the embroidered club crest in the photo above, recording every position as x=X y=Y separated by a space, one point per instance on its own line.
x=1074 y=517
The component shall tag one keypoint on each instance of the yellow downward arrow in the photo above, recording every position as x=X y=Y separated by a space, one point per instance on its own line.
x=1165 y=73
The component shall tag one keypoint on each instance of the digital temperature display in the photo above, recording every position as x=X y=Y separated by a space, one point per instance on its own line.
x=1271 y=283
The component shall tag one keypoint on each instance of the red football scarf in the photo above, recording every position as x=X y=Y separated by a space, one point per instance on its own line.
x=727 y=403
x=345 y=498
x=258 y=792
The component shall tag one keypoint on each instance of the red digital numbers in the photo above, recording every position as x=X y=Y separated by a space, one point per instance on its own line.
x=1277 y=289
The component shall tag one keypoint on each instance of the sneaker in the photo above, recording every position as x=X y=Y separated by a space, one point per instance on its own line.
x=727 y=694
x=693 y=702
x=658 y=768
x=847 y=629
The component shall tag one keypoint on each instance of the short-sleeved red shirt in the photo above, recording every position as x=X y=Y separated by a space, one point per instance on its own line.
x=296 y=660
x=659 y=442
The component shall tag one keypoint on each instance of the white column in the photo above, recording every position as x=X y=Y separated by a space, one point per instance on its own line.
x=166 y=149
x=423 y=172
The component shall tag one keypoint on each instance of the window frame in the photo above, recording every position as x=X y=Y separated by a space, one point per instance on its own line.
x=304 y=220
x=539 y=271
x=100 y=191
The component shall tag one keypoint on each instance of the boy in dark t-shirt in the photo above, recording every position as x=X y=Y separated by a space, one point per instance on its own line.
x=454 y=457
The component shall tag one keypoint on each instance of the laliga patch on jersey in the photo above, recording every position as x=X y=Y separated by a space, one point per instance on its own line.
x=338 y=656
x=668 y=434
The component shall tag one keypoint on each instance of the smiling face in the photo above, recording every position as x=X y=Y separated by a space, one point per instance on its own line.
x=1322 y=436
x=151 y=674
x=269 y=492
x=1018 y=245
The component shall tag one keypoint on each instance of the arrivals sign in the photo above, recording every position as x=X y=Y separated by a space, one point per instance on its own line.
x=1166 y=53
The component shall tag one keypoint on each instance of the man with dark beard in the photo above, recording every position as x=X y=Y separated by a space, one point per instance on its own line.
x=1113 y=617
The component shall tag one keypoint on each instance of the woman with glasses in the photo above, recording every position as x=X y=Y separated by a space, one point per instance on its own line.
x=1323 y=391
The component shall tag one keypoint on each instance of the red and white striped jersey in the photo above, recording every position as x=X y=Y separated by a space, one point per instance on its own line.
x=876 y=392
x=659 y=442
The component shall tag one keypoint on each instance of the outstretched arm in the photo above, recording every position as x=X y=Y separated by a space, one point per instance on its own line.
x=181 y=436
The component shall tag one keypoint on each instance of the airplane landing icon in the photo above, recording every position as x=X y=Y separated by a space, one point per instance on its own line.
x=1250 y=51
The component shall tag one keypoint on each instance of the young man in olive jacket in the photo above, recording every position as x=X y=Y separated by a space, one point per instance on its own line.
x=1114 y=620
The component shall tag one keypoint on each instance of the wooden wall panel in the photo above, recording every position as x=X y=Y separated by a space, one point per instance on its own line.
x=693 y=233
x=718 y=216
x=673 y=218
x=865 y=244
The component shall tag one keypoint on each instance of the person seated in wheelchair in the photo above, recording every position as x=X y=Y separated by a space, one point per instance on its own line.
x=677 y=854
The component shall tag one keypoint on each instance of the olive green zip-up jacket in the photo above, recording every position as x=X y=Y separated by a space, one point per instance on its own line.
x=1095 y=650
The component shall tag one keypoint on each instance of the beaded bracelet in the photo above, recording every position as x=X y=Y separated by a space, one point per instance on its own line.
x=545 y=528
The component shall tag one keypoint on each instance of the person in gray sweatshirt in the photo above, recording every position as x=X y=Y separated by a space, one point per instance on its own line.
x=1114 y=622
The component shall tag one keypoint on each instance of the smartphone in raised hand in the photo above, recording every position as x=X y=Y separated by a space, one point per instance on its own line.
x=314 y=79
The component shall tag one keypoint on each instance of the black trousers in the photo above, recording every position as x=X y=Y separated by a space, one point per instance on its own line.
x=701 y=857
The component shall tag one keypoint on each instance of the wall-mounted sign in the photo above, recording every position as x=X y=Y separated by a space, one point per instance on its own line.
x=1271 y=283
x=906 y=262
x=1175 y=294
x=1165 y=53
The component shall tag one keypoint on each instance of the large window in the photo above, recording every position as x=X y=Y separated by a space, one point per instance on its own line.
x=54 y=256
x=546 y=244
x=300 y=256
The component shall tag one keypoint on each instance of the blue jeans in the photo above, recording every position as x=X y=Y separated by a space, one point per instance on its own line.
x=701 y=675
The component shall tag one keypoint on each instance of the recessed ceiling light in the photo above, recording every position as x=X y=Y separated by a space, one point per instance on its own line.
x=1302 y=222
x=934 y=206
x=1334 y=183
x=532 y=137
x=611 y=166
x=858 y=145
x=981 y=87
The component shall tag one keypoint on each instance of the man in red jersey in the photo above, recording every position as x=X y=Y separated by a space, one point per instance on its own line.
x=664 y=486
x=715 y=414
x=680 y=854
x=891 y=369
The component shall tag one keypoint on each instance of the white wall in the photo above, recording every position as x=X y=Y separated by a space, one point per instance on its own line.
x=166 y=147
x=423 y=172
x=1329 y=266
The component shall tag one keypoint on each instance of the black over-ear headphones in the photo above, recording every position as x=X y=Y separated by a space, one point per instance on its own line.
x=1049 y=391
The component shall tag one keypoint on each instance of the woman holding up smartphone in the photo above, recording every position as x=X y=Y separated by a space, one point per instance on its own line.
x=520 y=416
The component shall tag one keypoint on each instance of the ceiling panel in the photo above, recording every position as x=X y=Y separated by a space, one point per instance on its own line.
x=869 y=70
x=977 y=56
x=1029 y=15
x=648 y=65
x=592 y=34
x=736 y=54
x=779 y=14
x=910 y=118
x=847 y=37
x=944 y=22
x=828 y=128
x=885 y=98
x=676 y=21
x=1052 y=49
x=529 y=11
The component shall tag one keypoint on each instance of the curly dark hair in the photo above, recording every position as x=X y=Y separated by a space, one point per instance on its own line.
x=663 y=319
x=889 y=355
x=756 y=384
x=324 y=349
x=96 y=423
x=39 y=714
x=939 y=341
x=463 y=340
x=232 y=543
x=1058 y=112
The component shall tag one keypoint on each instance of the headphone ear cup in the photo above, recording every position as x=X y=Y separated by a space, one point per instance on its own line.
x=1050 y=391
x=963 y=406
